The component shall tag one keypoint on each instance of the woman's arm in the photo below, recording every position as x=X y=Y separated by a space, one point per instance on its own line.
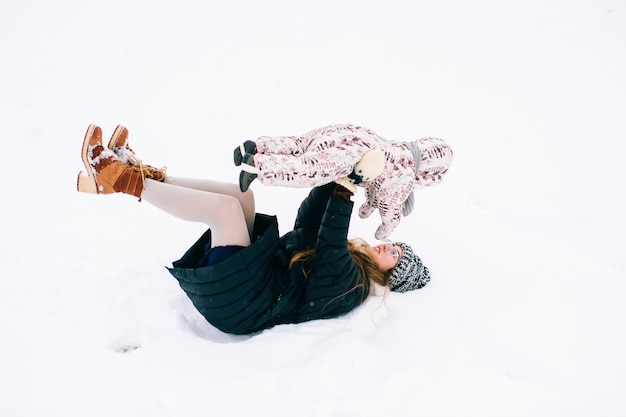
x=313 y=207
x=333 y=285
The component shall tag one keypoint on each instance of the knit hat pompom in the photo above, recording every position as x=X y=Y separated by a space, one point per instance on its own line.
x=410 y=273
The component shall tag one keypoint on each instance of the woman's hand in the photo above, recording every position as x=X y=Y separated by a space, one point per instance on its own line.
x=342 y=193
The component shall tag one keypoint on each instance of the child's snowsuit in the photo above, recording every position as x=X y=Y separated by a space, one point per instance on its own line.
x=328 y=153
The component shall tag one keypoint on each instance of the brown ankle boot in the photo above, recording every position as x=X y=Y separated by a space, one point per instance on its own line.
x=119 y=145
x=106 y=174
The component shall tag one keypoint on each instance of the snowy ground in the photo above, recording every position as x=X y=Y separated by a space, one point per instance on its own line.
x=525 y=237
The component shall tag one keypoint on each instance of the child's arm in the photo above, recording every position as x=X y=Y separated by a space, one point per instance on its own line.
x=387 y=194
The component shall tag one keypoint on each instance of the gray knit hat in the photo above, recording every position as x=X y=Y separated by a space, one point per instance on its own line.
x=410 y=273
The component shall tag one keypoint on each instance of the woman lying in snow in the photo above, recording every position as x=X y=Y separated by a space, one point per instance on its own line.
x=326 y=154
x=240 y=274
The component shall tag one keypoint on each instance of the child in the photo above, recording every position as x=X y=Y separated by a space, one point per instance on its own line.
x=330 y=153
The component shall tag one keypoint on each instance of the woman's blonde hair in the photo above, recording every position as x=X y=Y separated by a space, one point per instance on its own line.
x=368 y=270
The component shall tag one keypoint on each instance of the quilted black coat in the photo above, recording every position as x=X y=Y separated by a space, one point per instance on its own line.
x=255 y=289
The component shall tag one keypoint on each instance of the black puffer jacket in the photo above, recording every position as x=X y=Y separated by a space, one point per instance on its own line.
x=255 y=289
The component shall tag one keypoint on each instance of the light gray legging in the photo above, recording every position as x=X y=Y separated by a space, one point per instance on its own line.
x=222 y=206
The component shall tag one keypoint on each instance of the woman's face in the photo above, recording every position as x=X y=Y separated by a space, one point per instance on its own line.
x=385 y=255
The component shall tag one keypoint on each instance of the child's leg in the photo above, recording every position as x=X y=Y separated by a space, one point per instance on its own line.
x=246 y=200
x=222 y=213
x=325 y=160
x=304 y=171
x=290 y=145
x=279 y=145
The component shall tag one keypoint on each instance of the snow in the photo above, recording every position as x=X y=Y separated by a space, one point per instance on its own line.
x=524 y=238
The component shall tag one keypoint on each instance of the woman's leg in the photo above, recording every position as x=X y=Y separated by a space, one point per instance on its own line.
x=222 y=213
x=246 y=200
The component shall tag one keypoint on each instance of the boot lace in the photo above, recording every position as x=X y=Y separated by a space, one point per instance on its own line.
x=147 y=171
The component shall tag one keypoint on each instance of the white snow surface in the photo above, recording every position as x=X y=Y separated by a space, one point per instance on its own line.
x=524 y=238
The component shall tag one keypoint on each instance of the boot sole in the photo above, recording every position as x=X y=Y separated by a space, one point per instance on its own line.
x=245 y=179
x=240 y=152
x=86 y=182
x=115 y=136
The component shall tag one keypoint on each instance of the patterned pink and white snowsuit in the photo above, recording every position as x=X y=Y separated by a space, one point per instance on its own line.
x=328 y=153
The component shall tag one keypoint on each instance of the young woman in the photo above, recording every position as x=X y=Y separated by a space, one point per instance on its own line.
x=241 y=275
